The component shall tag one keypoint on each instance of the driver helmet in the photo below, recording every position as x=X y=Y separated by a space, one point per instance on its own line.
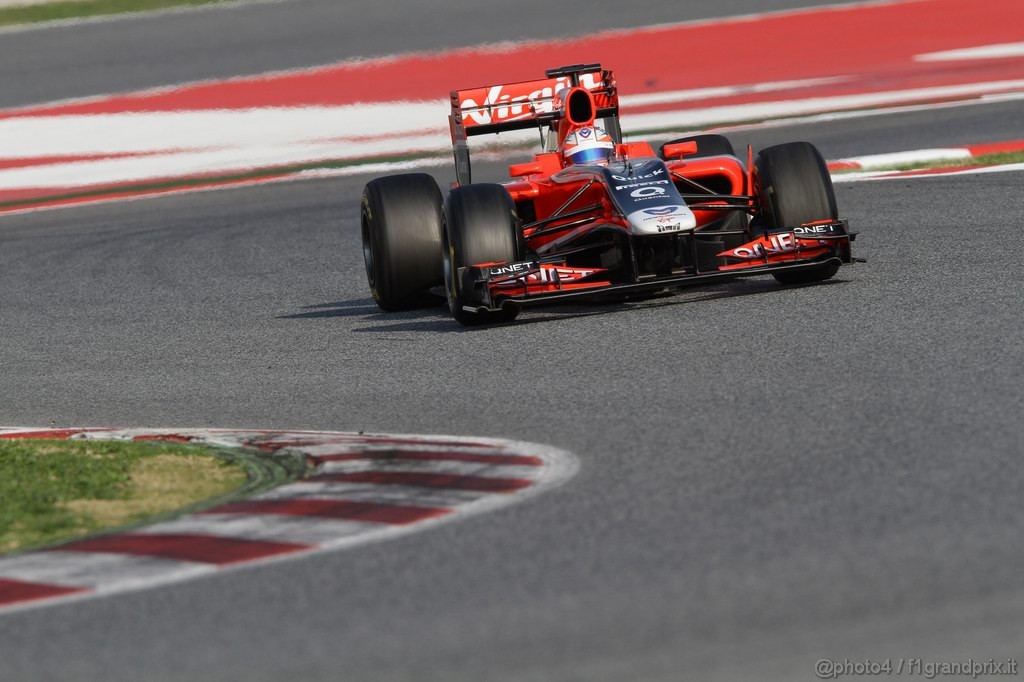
x=589 y=144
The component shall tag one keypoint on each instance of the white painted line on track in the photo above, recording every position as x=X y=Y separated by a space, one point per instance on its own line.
x=392 y=494
x=412 y=466
x=858 y=176
x=94 y=570
x=268 y=527
x=1000 y=51
x=925 y=173
x=923 y=156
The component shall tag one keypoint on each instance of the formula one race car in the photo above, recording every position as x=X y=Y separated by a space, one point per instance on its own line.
x=592 y=216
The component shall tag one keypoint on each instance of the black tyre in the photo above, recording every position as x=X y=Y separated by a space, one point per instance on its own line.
x=401 y=222
x=481 y=226
x=794 y=187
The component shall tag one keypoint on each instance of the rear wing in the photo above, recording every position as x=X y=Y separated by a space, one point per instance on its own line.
x=523 y=105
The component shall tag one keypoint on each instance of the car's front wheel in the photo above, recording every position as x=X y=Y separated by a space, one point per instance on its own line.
x=480 y=226
x=795 y=188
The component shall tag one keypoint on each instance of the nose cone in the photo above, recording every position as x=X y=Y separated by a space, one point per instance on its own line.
x=661 y=220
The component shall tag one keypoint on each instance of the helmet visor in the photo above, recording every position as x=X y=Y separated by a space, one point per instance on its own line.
x=591 y=155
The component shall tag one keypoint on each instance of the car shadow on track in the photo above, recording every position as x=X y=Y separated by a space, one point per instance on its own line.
x=360 y=307
x=437 y=319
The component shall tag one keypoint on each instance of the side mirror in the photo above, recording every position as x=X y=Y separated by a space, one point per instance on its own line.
x=679 y=149
x=521 y=170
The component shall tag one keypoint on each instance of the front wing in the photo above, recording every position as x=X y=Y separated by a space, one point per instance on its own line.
x=490 y=286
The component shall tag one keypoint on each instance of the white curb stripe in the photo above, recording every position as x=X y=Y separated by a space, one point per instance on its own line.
x=369 y=448
x=902 y=158
x=96 y=570
x=306 y=530
x=999 y=51
x=914 y=175
x=391 y=494
x=436 y=467
x=925 y=156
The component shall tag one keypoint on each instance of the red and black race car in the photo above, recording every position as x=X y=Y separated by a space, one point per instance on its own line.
x=592 y=216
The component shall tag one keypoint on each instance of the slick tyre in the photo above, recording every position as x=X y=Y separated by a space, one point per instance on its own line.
x=480 y=226
x=794 y=187
x=401 y=223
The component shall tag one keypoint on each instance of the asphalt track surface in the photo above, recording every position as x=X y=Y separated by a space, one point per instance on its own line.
x=769 y=475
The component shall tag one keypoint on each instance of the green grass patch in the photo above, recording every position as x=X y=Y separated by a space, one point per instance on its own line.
x=55 y=11
x=54 y=490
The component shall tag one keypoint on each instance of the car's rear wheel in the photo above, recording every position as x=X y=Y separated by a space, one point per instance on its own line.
x=707 y=145
x=480 y=226
x=794 y=188
x=401 y=222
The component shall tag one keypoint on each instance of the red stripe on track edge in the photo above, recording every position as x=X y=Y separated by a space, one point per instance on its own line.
x=207 y=549
x=18 y=591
